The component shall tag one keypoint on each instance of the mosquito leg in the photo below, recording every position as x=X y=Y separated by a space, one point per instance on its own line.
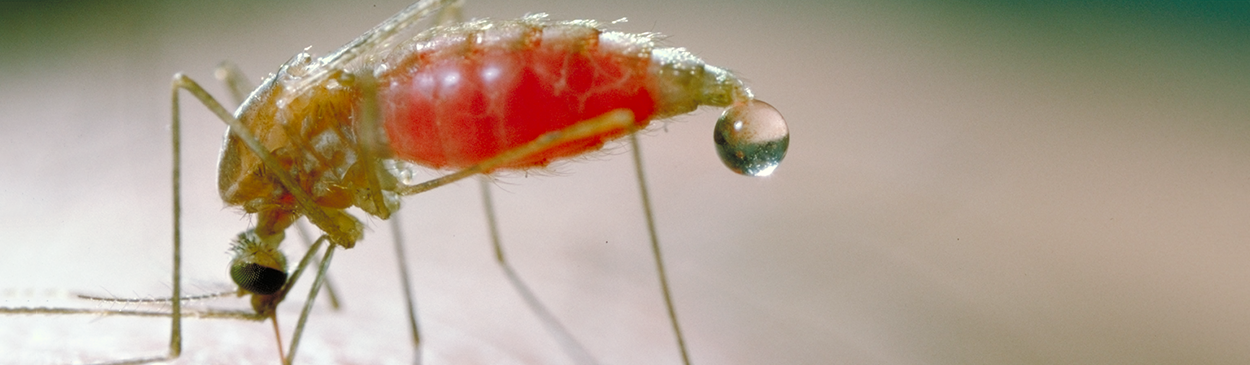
x=175 y=327
x=655 y=247
x=235 y=81
x=312 y=297
x=205 y=314
x=315 y=214
x=308 y=243
x=303 y=263
x=370 y=146
x=616 y=120
x=576 y=352
x=398 y=238
x=240 y=88
x=278 y=297
x=318 y=216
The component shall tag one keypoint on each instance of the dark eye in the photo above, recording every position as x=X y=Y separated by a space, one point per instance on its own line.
x=257 y=278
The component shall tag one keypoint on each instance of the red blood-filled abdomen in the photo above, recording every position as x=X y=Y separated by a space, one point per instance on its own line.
x=455 y=108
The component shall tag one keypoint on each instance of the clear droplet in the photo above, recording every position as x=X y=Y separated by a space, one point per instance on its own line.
x=407 y=177
x=402 y=171
x=752 y=138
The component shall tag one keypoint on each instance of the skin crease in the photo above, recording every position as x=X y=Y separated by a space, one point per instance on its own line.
x=967 y=184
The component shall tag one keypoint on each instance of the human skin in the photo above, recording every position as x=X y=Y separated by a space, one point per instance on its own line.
x=965 y=185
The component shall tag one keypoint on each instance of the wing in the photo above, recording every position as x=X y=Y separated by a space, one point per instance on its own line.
x=378 y=40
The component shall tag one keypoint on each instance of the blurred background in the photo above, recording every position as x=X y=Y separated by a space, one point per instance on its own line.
x=973 y=182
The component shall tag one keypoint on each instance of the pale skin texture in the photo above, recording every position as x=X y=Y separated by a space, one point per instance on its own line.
x=1065 y=208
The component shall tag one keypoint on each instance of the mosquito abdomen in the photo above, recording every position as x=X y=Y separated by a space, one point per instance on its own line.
x=456 y=96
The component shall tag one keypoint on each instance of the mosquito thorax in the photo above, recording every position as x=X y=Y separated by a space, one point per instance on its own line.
x=258 y=267
x=308 y=127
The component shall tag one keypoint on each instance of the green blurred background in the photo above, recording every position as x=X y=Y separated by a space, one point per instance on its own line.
x=968 y=182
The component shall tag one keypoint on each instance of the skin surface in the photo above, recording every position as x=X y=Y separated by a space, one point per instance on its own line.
x=966 y=184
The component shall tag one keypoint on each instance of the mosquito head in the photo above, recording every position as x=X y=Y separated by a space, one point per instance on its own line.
x=258 y=267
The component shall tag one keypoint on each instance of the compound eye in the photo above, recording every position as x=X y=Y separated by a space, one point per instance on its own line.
x=257 y=278
x=258 y=266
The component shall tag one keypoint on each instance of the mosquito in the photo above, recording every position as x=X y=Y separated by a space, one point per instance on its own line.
x=325 y=134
